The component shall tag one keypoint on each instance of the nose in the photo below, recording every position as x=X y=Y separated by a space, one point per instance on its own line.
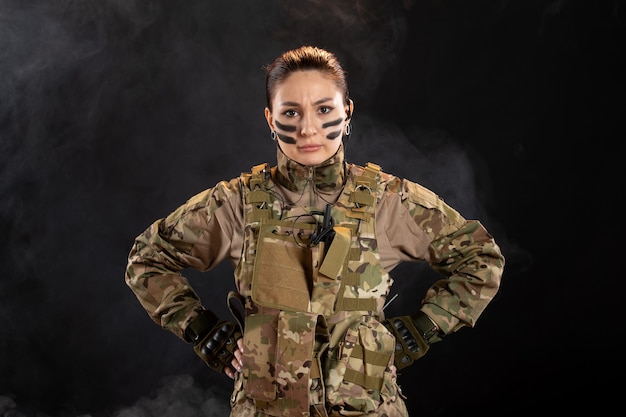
x=307 y=127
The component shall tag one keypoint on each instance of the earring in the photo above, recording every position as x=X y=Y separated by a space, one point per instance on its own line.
x=348 y=129
x=273 y=136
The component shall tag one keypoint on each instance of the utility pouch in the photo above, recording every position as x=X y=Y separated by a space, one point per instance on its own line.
x=282 y=274
x=337 y=253
x=259 y=356
x=280 y=360
x=294 y=360
x=357 y=367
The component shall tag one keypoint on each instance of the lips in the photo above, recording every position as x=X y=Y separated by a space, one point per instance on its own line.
x=309 y=148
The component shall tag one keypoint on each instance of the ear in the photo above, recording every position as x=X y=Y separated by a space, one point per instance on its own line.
x=269 y=118
x=349 y=110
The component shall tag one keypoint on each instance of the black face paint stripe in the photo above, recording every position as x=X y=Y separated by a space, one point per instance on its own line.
x=286 y=139
x=333 y=123
x=333 y=135
x=286 y=128
x=290 y=128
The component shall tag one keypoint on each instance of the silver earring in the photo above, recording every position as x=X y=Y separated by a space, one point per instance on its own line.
x=273 y=136
x=348 y=129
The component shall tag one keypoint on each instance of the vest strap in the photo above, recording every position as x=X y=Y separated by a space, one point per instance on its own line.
x=365 y=192
x=258 y=197
x=259 y=174
x=357 y=304
x=337 y=252
x=367 y=381
x=237 y=311
x=370 y=356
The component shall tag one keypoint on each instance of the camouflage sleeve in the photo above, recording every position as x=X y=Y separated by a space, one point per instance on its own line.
x=460 y=250
x=199 y=234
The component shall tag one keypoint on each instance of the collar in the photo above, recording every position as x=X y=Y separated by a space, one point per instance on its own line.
x=327 y=176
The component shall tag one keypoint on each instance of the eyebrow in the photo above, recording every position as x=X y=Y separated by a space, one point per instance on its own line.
x=293 y=103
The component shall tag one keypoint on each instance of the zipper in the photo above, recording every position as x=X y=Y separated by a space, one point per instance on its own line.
x=312 y=187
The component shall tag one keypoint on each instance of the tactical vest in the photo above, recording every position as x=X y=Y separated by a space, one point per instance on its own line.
x=311 y=310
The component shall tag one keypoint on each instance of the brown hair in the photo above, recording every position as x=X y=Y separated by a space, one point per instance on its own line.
x=301 y=59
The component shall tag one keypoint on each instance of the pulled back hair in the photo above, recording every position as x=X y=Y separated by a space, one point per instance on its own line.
x=302 y=59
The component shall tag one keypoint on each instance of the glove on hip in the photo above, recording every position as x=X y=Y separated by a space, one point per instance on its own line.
x=413 y=334
x=215 y=341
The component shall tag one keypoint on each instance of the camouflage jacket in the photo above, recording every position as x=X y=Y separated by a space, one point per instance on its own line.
x=407 y=223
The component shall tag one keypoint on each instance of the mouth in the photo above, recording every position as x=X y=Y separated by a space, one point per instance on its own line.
x=309 y=147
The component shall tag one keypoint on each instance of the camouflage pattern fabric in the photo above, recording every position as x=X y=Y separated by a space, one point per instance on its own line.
x=358 y=372
x=334 y=303
x=283 y=276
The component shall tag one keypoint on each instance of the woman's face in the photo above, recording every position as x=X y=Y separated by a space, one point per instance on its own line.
x=309 y=117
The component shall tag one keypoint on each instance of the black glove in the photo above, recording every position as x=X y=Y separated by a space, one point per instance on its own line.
x=414 y=335
x=215 y=341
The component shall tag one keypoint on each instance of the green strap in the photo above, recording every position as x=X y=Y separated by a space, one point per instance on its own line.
x=365 y=192
x=257 y=196
x=371 y=357
x=366 y=381
x=259 y=173
x=362 y=196
x=368 y=357
x=337 y=252
x=357 y=304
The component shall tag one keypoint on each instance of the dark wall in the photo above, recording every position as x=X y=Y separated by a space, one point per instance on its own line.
x=112 y=113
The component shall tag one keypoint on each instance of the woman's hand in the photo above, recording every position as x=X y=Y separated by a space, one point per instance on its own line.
x=237 y=362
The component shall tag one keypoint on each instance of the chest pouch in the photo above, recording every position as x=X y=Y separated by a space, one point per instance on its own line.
x=283 y=268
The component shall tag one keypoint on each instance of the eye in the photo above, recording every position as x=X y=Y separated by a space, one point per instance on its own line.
x=290 y=113
x=325 y=109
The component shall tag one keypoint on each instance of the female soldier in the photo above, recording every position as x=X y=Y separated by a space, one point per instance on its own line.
x=312 y=240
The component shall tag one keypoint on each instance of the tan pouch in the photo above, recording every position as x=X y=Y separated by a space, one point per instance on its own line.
x=356 y=368
x=259 y=356
x=294 y=356
x=282 y=276
x=337 y=253
x=279 y=360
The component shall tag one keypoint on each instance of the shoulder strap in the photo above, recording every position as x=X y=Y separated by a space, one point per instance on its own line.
x=257 y=199
x=365 y=192
x=238 y=311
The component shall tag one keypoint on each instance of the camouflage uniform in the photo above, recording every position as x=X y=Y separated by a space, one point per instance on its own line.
x=313 y=340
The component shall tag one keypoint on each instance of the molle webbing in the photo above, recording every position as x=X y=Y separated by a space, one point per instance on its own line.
x=258 y=196
x=372 y=358
x=363 y=198
x=365 y=191
x=351 y=279
x=295 y=350
x=358 y=201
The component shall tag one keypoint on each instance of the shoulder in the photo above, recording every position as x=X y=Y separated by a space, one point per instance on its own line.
x=375 y=174
x=210 y=198
x=257 y=175
x=405 y=188
x=418 y=199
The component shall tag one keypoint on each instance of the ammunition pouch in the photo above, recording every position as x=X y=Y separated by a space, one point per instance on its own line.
x=357 y=373
x=281 y=356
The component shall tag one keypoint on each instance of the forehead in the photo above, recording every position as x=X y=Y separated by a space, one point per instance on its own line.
x=307 y=83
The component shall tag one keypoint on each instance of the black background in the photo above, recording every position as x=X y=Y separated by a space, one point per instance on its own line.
x=114 y=112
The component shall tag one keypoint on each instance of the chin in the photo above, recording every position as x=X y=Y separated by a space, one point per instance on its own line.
x=310 y=161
